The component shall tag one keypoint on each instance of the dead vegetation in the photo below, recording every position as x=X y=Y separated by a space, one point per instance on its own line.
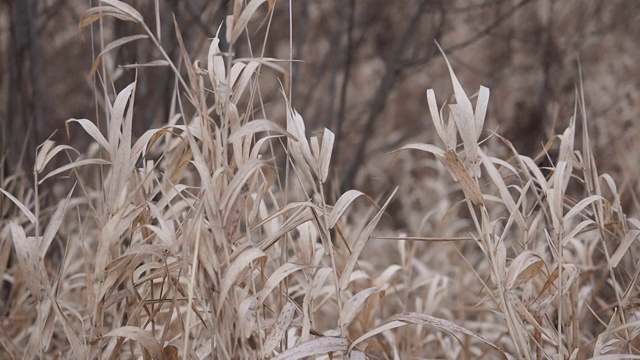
x=224 y=232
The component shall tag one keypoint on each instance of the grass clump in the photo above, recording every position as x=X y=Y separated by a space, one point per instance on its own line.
x=220 y=235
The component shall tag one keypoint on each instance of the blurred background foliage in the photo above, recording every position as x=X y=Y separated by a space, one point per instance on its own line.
x=363 y=69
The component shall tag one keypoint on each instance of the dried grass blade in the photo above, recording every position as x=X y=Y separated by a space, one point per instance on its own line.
x=256 y=126
x=403 y=319
x=357 y=247
x=314 y=290
x=241 y=83
x=28 y=250
x=232 y=274
x=54 y=225
x=295 y=125
x=125 y=8
x=113 y=45
x=302 y=216
x=352 y=306
x=152 y=63
x=143 y=337
x=53 y=153
x=436 y=118
x=25 y=210
x=282 y=272
x=43 y=150
x=482 y=103
x=497 y=180
x=556 y=196
x=439 y=153
x=79 y=351
x=279 y=330
x=92 y=130
x=215 y=66
x=469 y=186
x=318 y=346
x=342 y=204
x=465 y=121
x=624 y=246
x=523 y=268
x=577 y=209
x=242 y=21
x=240 y=179
x=74 y=165
x=324 y=160
x=96 y=13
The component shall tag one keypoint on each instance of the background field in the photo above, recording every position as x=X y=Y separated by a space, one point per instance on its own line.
x=237 y=238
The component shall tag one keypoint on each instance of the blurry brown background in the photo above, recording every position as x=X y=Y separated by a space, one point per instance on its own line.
x=365 y=66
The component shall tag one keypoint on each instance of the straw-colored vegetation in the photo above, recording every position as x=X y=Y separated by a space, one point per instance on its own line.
x=222 y=234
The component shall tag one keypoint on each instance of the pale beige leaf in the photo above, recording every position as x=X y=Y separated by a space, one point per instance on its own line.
x=113 y=45
x=326 y=150
x=271 y=63
x=577 y=229
x=143 y=337
x=79 y=350
x=505 y=195
x=465 y=121
x=27 y=250
x=295 y=125
x=315 y=149
x=152 y=63
x=237 y=267
x=318 y=346
x=423 y=319
x=125 y=8
x=523 y=268
x=314 y=291
x=614 y=190
x=25 y=210
x=110 y=235
x=234 y=73
x=352 y=306
x=357 y=247
x=216 y=67
x=96 y=13
x=239 y=180
x=469 y=185
x=55 y=152
x=145 y=141
x=342 y=204
x=279 y=329
x=259 y=125
x=624 y=246
x=318 y=282
x=93 y=131
x=54 y=224
x=387 y=275
x=242 y=21
x=555 y=196
x=293 y=222
x=435 y=116
x=439 y=153
x=482 y=103
x=74 y=165
x=117 y=117
x=240 y=84
x=577 y=208
x=282 y=272
x=43 y=150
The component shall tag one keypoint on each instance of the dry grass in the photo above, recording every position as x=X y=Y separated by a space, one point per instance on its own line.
x=221 y=235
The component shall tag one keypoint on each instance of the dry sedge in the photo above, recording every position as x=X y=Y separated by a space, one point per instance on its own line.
x=233 y=227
